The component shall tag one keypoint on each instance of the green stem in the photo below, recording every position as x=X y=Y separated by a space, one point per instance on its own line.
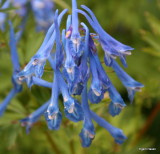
x=52 y=143
x=63 y=4
x=71 y=144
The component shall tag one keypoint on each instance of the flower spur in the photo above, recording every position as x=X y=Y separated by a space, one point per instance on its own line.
x=71 y=70
x=75 y=43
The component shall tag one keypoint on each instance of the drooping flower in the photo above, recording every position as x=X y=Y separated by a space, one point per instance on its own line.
x=87 y=133
x=111 y=46
x=75 y=44
x=17 y=84
x=100 y=80
x=117 y=102
x=83 y=67
x=53 y=115
x=72 y=108
x=116 y=133
x=131 y=85
x=36 y=65
x=29 y=121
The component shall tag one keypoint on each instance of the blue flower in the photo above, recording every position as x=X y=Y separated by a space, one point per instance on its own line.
x=34 y=117
x=53 y=115
x=72 y=108
x=71 y=70
x=74 y=61
x=116 y=133
x=101 y=72
x=75 y=44
x=54 y=121
x=111 y=46
x=96 y=91
x=131 y=85
x=87 y=133
x=117 y=103
x=37 y=62
x=83 y=67
x=70 y=66
x=100 y=80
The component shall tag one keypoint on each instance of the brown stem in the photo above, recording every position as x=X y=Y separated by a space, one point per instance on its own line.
x=148 y=123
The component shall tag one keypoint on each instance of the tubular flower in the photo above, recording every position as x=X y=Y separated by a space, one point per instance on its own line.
x=116 y=133
x=17 y=84
x=34 y=117
x=75 y=43
x=77 y=70
x=36 y=65
x=87 y=133
x=117 y=103
x=111 y=46
x=131 y=85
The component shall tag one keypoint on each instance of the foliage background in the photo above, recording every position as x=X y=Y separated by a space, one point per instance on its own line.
x=136 y=23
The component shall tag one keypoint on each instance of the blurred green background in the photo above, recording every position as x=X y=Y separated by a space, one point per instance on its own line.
x=136 y=23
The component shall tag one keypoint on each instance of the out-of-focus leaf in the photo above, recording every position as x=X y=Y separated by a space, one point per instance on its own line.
x=8 y=9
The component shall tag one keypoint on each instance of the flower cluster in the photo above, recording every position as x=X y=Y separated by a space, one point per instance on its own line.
x=74 y=62
x=42 y=10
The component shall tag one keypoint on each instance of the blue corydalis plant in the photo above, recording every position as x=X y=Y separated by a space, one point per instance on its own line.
x=74 y=61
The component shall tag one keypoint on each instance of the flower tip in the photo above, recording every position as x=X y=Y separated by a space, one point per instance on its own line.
x=56 y=14
x=115 y=108
x=73 y=111
x=86 y=138
x=54 y=121
x=83 y=6
x=118 y=136
x=27 y=122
